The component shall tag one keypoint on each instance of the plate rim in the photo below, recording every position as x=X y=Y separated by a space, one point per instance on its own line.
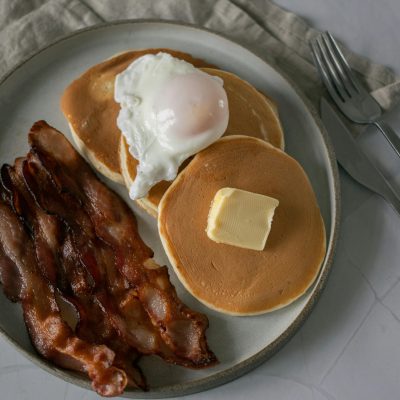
x=241 y=368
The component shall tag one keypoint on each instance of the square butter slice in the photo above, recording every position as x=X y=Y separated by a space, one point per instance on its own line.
x=241 y=218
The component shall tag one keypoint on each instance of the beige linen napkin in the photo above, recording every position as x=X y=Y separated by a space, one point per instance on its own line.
x=278 y=36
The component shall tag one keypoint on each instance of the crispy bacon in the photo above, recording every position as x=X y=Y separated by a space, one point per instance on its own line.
x=123 y=307
x=48 y=236
x=181 y=328
x=10 y=278
x=83 y=248
x=94 y=327
x=44 y=228
x=93 y=299
x=9 y=275
x=50 y=334
x=97 y=329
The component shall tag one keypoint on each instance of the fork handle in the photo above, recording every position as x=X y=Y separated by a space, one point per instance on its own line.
x=390 y=135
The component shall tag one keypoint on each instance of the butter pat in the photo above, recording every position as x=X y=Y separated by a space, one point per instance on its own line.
x=241 y=218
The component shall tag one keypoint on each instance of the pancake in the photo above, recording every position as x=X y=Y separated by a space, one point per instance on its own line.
x=89 y=106
x=230 y=279
x=251 y=113
x=128 y=169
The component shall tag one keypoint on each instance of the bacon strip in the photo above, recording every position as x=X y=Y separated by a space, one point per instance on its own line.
x=51 y=336
x=182 y=329
x=45 y=229
x=94 y=327
x=70 y=246
x=48 y=237
x=84 y=248
x=10 y=278
x=123 y=307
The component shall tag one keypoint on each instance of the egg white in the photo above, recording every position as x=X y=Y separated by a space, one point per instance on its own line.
x=159 y=150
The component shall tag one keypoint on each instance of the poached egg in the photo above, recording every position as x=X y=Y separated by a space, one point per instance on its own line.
x=169 y=111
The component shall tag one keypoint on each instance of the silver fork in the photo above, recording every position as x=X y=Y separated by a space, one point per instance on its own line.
x=346 y=89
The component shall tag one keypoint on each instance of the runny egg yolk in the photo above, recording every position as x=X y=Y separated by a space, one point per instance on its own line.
x=189 y=104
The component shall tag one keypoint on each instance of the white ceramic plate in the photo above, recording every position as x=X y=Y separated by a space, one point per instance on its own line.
x=32 y=91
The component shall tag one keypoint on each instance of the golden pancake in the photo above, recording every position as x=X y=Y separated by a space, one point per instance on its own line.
x=89 y=106
x=230 y=279
x=128 y=169
x=251 y=113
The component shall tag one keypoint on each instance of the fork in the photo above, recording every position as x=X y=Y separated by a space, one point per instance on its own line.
x=345 y=88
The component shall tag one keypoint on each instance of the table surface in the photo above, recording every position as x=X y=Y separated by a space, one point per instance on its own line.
x=349 y=347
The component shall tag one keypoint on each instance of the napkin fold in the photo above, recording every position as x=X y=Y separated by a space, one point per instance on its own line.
x=276 y=35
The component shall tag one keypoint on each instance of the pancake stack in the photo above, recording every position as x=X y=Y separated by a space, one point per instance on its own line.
x=250 y=156
x=230 y=279
x=89 y=106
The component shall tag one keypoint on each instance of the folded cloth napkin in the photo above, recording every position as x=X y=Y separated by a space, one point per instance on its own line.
x=276 y=35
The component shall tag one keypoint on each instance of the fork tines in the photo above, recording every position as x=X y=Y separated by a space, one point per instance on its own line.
x=333 y=68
